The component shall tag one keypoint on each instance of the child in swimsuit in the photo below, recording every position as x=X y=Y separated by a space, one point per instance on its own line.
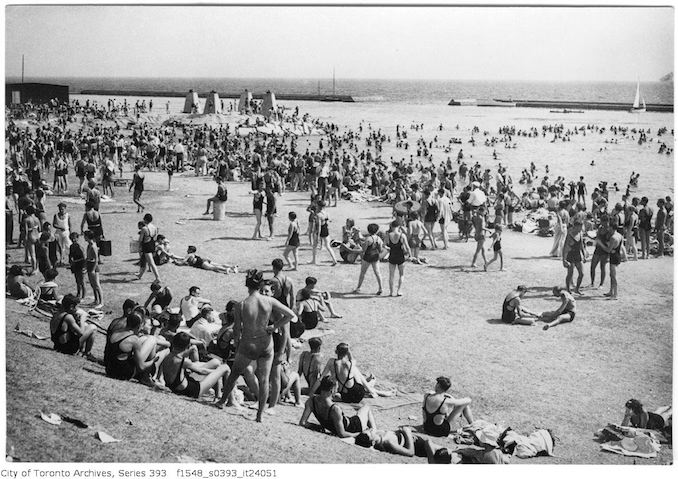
x=496 y=247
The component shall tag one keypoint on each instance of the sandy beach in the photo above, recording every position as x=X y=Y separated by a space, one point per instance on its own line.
x=573 y=379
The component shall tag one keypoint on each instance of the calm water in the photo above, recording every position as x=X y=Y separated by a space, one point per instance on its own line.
x=426 y=102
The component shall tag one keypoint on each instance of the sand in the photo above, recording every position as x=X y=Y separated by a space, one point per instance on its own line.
x=574 y=378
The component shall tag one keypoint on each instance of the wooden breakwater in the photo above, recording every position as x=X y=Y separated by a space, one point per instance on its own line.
x=568 y=105
x=257 y=96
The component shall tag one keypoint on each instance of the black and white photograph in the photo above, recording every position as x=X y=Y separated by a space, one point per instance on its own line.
x=295 y=234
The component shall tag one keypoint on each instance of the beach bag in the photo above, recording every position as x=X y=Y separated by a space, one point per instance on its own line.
x=105 y=248
x=134 y=246
x=373 y=250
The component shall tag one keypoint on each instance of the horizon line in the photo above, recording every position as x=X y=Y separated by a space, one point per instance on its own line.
x=18 y=76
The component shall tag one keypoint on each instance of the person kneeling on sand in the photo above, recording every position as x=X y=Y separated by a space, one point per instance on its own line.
x=401 y=441
x=331 y=417
x=564 y=314
x=441 y=409
x=68 y=336
x=512 y=311
x=176 y=365
x=128 y=355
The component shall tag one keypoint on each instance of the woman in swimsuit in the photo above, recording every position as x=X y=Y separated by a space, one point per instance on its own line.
x=258 y=206
x=76 y=260
x=574 y=252
x=68 y=335
x=637 y=416
x=161 y=297
x=128 y=355
x=93 y=220
x=175 y=366
x=322 y=240
x=512 y=310
x=310 y=364
x=203 y=263
x=271 y=210
x=92 y=259
x=292 y=242
x=147 y=237
x=398 y=250
x=31 y=233
x=309 y=310
x=371 y=252
x=415 y=232
x=431 y=216
x=16 y=284
x=496 y=247
x=440 y=409
x=353 y=386
x=331 y=417
x=138 y=185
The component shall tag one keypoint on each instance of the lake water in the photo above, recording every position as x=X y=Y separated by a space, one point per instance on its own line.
x=389 y=103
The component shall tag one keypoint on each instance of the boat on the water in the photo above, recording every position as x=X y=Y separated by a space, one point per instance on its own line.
x=638 y=100
x=567 y=110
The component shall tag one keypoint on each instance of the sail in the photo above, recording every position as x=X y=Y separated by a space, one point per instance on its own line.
x=636 y=101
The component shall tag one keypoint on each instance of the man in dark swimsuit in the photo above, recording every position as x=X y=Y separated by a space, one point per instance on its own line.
x=401 y=441
x=252 y=333
x=68 y=336
x=331 y=417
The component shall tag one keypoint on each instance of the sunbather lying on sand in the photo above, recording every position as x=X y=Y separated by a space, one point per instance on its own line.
x=203 y=263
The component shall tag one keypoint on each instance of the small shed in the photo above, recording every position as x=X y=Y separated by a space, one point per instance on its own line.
x=245 y=103
x=213 y=104
x=191 y=104
x=35 y=93
x=269 y=107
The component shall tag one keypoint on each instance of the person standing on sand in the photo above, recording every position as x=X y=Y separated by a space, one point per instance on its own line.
x=644 y=227
x=574 y=252
x=479 y=226
x=292 y=242
x=563 y=218
x=147 y=239
x=581 y=191
x=252 y=333
x=138 y=185
x=660 y=225
x=615 y=248
x=630 y=231
x=258 y=206
x=323 y=233
x=372 y=247
x=445 y=209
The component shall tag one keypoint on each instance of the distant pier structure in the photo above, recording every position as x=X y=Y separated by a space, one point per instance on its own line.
x=564 y=105
x=269 y=106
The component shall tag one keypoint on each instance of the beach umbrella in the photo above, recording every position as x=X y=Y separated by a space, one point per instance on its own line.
x=477 y=198
x=407 y=206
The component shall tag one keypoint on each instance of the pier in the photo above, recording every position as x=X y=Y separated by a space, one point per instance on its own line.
x=257 y=96
x=566 y=105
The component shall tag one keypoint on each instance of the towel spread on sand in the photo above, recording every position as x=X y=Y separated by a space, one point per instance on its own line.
x=641 y=445
x=538 y=442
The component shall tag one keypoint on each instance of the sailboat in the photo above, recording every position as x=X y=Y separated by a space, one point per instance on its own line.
x=637 y=101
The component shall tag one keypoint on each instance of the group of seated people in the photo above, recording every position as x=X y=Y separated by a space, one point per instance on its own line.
x=513 y=312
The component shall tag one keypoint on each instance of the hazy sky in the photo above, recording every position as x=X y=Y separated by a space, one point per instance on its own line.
x=534 y=43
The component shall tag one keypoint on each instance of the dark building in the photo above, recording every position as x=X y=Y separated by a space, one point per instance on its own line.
x=35 y=93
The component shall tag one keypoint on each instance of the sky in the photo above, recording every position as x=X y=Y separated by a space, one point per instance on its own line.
x=452 y=43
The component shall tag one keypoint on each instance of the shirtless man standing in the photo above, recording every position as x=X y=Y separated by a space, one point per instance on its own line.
x=252 y=333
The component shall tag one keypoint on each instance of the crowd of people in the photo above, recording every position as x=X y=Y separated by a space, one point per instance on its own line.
x=193 y=350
